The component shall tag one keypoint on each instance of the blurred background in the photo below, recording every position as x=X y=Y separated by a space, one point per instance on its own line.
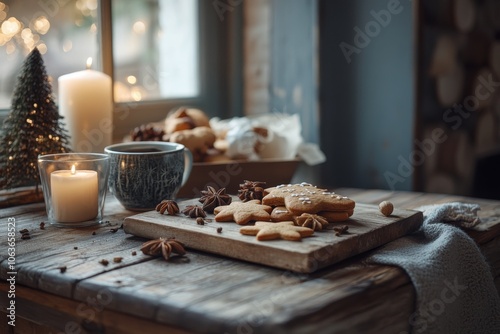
x=399 y=95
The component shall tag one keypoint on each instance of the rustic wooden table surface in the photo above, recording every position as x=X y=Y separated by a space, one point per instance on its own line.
x=201 y=292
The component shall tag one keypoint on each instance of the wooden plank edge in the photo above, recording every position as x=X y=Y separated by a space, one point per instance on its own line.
x=61 y=313
x=20 y=196
x=387 y=307
x=297 y=262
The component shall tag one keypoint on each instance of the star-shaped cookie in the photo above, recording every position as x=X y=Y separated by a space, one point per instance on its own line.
x=283 y=230
x=242 y=212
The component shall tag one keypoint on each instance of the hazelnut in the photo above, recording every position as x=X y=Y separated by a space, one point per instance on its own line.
x=386 y=208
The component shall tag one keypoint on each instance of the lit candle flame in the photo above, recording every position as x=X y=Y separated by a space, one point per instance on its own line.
x=89 y=63
x=73 y=170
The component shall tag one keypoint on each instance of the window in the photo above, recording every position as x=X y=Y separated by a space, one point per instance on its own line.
x=155 y=48
x=160 y=53
x=65 y=33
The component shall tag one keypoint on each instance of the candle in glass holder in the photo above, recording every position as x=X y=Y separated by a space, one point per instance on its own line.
x=74 y=195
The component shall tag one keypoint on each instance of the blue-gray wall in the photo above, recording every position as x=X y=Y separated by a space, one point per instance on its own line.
x=367 y=105
x=293 y=70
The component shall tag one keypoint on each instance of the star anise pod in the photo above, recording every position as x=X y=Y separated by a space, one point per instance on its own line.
x=213 y=198
x=250 y=190
x=163 y=247
x=169 y=206
x=313 y=221
x=340 y=230
x=194 y=211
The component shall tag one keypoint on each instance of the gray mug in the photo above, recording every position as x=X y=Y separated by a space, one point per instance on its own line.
x=142 y=174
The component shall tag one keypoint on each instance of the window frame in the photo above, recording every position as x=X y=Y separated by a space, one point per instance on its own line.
x=220 y=64
x=217 y=74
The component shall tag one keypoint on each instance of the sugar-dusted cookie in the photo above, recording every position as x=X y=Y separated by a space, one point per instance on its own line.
x=336 y=216
x=275 y=196
x=242 y=212
x=281 y=213
x=283 y=230
x=303 y=197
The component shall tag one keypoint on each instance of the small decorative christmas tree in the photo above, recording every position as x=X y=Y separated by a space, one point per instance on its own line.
x=32 y=127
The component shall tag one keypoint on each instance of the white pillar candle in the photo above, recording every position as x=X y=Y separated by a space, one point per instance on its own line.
x=74 y=195
x=85 y=101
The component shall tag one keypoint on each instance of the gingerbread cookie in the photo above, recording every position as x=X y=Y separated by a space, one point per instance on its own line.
x=185 y=118
x=304 y=197
x=198 y=140
x=336 y=216
x=283 y=230
x=281 y=213
x=242 y=212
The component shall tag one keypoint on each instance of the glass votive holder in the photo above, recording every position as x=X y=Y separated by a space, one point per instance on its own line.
x=74 y=187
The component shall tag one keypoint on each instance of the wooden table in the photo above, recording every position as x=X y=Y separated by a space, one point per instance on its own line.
x=201 y=292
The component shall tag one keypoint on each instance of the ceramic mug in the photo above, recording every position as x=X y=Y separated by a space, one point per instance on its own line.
x=144 y=173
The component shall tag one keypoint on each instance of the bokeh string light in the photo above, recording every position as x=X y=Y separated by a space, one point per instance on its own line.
x=15 y=33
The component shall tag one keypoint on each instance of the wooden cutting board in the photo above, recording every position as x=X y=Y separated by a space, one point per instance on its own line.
x=368 y=229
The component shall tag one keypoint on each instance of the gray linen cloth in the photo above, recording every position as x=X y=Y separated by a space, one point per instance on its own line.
x=454 y=287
